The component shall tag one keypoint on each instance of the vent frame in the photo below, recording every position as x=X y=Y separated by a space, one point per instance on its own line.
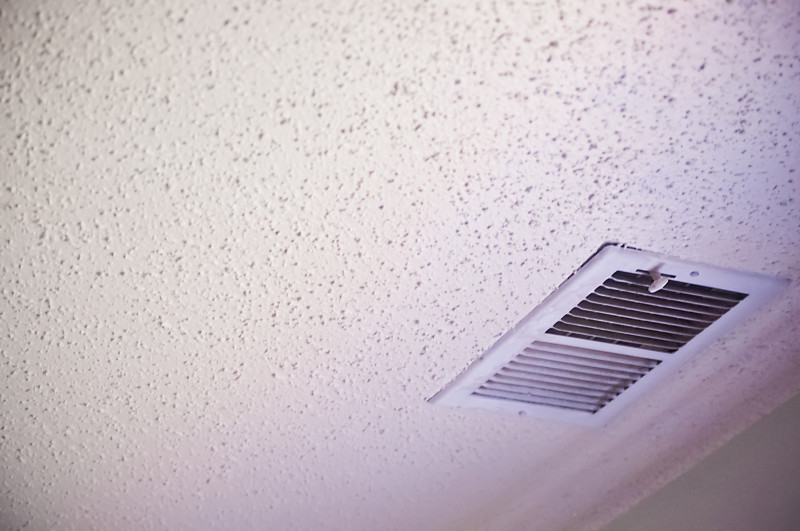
x=610 y=259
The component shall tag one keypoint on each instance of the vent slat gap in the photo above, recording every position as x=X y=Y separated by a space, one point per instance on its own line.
x=651 y=309
x=610 y=312
x=566 y=404
x=642 y=342
x=542 y=391
x=628 y=329
x=668 y=294
x=584 y=369
x=553 y=348
x=615 y=366
x=597 y=386
x=683 y=287
x=542 y=384
x=651 y=300
x=567 y=373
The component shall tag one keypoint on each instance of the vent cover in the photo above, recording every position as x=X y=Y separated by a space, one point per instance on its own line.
x=623 y=320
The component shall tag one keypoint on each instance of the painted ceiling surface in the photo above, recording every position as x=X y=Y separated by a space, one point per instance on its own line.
x=241 y=243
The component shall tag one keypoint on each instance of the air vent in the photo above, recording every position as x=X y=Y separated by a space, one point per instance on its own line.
x=624 y=320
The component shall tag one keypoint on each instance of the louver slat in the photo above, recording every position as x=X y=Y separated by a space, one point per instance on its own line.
x=492 y=385
x=574 y=367
x=628 y=369
x=652 y=309
x=542 y=383
x=624 y=312
x=638 y=323
x=562 y=370
x=607 y=335
x=659 y=302
x=577 y=384
x=667 y=294
x=644 y=279
x=642 y=316
x=538 y=400
x=641 y=328
x=565 y=377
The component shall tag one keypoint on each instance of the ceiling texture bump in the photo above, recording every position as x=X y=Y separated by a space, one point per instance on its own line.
x=243 y=242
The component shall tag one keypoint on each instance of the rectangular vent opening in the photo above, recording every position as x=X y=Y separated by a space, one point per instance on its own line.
x=565 y=377
x=622 y=311
x=602 y=338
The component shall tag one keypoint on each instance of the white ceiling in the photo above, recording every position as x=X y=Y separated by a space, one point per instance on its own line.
x=243 y=242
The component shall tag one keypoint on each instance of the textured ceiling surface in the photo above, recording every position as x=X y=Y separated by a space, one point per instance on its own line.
x=242 y=243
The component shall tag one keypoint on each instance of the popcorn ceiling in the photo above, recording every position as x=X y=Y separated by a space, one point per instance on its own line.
x=241 y=243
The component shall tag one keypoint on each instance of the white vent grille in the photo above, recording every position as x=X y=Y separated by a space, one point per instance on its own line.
x=612 y=329
x=565 y=377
